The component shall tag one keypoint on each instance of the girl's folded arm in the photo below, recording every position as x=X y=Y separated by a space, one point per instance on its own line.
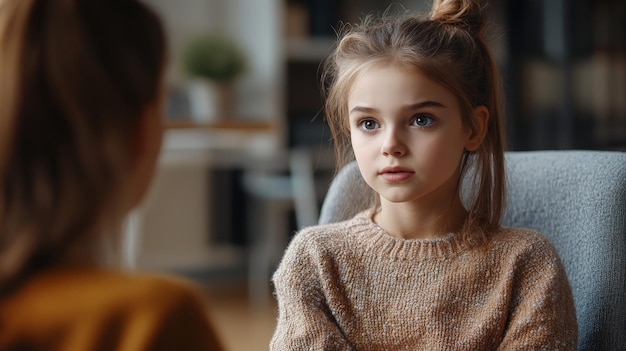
x=542 y=312
x=304 y=320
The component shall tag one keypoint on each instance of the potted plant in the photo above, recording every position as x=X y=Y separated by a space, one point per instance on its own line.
x=214 y=61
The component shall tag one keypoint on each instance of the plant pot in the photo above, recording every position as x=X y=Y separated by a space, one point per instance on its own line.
x=225 y=100
x=211 y=101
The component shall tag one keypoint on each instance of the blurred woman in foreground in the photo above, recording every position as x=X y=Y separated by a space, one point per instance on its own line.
x=80 y=132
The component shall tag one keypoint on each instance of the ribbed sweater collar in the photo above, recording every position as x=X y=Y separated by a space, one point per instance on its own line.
x=375 y=239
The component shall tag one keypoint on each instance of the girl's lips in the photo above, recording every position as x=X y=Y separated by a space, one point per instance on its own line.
x=396 y=174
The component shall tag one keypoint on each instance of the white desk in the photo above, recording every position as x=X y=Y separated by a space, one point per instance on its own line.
x=221 y=144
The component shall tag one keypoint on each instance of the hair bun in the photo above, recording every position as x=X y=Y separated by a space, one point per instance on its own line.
x=467 y=14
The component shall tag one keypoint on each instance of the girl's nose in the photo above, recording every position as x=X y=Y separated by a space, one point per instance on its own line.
x=393 y=144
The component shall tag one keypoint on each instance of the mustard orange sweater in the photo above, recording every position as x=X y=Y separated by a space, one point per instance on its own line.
x=90 y=309
x=351 y=286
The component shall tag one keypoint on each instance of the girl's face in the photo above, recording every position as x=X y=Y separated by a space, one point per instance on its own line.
x=407 y=135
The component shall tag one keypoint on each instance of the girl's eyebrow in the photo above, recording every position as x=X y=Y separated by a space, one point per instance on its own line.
x=427 y=103
x=422 y=104
x=363 y=109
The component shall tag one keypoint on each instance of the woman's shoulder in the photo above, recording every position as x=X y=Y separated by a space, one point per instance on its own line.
x=169 y=292
x=60 y=299
x=89 y=288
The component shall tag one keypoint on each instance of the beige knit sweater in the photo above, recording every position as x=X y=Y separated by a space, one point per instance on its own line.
x=351 y=286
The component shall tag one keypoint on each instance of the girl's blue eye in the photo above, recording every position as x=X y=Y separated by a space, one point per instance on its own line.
x=368 y=124
x=423 y=120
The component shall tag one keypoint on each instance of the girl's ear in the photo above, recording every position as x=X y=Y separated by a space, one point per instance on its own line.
x=478 y=131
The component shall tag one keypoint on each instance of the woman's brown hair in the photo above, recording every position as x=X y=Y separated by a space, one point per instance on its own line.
x=75 y=77
x=447 y=46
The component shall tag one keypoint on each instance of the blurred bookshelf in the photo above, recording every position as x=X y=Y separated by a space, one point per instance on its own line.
x=565 y=74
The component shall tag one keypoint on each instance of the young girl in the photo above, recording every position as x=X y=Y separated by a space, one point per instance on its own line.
x=80 y=131
x=417 y=102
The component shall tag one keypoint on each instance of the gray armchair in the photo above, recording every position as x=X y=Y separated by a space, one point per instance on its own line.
x=578 y=200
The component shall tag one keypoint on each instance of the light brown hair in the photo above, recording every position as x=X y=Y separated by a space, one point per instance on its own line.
x=75 y=77
x=448 y=47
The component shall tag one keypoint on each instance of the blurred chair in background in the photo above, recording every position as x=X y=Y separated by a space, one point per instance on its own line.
x=273 y=195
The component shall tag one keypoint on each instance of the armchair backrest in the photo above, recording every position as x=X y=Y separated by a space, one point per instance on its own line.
x=578 y=200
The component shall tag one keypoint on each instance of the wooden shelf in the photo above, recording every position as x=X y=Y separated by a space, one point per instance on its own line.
x=230 y=125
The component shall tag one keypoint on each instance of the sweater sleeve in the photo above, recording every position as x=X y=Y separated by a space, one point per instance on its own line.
x=304 y=319
x=542 y=315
